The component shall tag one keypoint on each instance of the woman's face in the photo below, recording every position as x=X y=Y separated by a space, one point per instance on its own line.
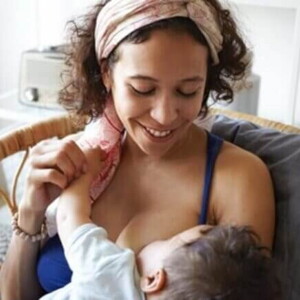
x=158 y=89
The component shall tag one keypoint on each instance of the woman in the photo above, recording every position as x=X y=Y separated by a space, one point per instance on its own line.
x=144 y=70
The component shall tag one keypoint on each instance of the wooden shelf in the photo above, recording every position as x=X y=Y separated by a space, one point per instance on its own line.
x=292 y=4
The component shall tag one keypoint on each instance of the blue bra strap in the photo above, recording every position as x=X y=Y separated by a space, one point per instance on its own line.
x=214 y=144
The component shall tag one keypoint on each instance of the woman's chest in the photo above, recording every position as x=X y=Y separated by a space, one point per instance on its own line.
x=140 y=206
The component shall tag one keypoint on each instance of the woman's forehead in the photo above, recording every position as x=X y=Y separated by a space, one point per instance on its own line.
x=164 y=45
x=164 y=55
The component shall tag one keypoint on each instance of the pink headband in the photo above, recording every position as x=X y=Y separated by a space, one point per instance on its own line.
x=119 y=18
x=116 y=20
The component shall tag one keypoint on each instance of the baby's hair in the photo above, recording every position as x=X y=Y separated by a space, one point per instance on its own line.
x=85 y=92
x=227 y=263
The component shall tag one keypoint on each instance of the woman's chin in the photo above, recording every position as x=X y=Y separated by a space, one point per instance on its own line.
x=155 y=144
x=158 y=147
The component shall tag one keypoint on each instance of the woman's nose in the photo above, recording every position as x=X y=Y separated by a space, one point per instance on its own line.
x=165 y=111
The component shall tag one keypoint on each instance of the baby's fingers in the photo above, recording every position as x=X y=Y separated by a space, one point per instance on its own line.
x=95 y=158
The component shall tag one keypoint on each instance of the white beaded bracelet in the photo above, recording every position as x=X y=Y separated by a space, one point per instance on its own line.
x=24 y=235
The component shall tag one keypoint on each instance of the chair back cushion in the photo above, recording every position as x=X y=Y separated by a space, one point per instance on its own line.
x=281 y=153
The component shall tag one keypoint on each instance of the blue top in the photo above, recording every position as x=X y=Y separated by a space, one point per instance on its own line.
x=52 y=267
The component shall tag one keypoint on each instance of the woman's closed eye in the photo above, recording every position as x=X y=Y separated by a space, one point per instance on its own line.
x=187 y=95
x=150 y=92
x=146 y=92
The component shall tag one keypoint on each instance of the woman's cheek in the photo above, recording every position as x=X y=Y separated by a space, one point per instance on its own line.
x=192 y=109
x=129 y=105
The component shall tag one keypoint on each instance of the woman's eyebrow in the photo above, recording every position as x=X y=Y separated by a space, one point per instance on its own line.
x=143 y=77
x=191 y=79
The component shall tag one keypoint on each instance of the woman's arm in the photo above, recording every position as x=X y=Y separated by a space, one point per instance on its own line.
x=18 y=279
x=243 y=193
x=52 y=165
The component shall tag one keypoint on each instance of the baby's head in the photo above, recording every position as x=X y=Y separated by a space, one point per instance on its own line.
x=211 y=263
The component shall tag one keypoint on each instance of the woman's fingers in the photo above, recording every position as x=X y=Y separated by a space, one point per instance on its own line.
x=38 y=177
x=46 y=146
x=42 y=187
x=66 y=157
x=53 y=164
x=59 y=161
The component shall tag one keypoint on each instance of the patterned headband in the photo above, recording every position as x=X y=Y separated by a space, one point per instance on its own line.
x=119 y=18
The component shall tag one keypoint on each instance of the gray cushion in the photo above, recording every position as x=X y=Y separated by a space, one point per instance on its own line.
x=281 y=153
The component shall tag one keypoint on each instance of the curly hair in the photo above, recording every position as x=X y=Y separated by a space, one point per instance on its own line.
x=84 y=91
x=227 y=263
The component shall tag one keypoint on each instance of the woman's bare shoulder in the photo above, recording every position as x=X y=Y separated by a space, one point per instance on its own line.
x=243 y=192
x=238 y=161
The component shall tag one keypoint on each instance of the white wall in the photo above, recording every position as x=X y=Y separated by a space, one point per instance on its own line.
x=27 y=24
x=18 y=32
x=53 y=15
x=271 y=32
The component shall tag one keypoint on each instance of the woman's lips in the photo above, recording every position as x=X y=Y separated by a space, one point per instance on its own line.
x=158 y=135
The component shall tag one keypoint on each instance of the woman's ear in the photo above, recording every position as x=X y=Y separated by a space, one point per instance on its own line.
x=154 y=282
x=106 y=75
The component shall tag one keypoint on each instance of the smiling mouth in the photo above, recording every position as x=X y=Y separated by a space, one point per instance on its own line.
x=158 y=133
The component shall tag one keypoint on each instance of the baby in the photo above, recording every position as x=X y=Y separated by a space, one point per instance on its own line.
x=204 y=262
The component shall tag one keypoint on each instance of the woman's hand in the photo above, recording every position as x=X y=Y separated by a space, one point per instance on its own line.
x=53 y=165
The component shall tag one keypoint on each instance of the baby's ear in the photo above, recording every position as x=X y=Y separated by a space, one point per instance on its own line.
x=155 y=282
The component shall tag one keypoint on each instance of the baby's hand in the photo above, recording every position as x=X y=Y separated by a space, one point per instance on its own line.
x=95 y=158
x=190 y=235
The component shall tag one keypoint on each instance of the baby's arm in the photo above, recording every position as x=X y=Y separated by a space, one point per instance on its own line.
x=74 y=207
x=74 y=204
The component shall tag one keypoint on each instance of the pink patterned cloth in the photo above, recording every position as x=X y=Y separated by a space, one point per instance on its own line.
x=116 y=20
x=119 y=18
x=105 y=132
